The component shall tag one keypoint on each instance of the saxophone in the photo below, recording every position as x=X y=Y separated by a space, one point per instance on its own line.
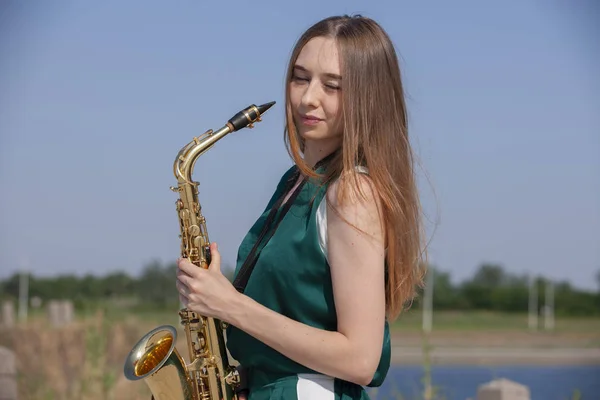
x=154 y=358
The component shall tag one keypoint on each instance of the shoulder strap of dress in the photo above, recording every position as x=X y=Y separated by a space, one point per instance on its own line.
x=272 y=223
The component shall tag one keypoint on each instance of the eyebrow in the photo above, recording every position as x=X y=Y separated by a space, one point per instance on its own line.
x=328 y=74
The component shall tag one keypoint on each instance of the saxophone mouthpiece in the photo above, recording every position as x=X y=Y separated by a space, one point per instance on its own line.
x=263 y=108
x=248 y=116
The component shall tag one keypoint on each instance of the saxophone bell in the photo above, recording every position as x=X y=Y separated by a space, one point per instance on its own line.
x=155 y=360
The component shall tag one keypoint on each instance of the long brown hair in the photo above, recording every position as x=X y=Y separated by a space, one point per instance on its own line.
x=375 y=135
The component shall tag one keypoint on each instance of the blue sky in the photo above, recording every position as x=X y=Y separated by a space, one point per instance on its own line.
x=96 y=98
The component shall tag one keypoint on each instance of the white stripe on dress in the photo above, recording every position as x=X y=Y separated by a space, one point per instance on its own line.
x=315 y=387
x=321 y=217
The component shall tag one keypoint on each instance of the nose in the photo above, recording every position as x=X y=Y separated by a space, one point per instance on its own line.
x=310 y=97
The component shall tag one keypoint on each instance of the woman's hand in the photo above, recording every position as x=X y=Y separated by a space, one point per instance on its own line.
x=205 y=291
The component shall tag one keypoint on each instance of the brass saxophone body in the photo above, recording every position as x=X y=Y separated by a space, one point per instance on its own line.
x=155 y=359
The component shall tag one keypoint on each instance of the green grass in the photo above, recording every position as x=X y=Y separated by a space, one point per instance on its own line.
x=411 y=321
x=487 y=320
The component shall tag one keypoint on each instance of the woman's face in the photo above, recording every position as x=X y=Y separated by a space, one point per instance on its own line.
x=315 y=91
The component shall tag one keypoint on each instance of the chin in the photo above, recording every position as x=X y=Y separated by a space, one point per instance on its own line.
x=310 y=135
x=314 y=134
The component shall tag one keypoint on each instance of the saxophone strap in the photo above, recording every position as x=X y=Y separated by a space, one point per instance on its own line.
x=241 y=280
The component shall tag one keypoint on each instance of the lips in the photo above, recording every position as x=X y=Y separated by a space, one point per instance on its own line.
x=309 y=120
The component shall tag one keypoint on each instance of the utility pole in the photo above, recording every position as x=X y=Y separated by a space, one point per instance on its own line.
x=549 y=306
x=428 y=302
x=23 y=292
x=427 y=325
x=533 y=304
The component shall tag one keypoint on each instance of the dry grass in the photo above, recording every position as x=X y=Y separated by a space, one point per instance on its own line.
x=82 y=361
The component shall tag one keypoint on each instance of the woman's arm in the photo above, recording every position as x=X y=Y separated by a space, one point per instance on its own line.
x=357 y=268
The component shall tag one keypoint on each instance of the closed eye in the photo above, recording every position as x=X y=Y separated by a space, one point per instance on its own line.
x=299 y=78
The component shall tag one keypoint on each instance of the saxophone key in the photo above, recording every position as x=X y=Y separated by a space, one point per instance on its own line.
x=207 y=252
x=197 y=242
x=184 y=214
x=194 y=230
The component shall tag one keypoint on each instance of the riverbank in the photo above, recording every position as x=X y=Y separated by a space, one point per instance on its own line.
x=496 y=356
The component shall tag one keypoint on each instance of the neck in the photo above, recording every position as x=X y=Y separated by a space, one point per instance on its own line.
x=314 y=151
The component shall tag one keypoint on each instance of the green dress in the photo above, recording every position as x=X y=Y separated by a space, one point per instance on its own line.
x=292 y=277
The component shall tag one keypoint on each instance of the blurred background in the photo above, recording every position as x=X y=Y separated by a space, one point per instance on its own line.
x=97 y=98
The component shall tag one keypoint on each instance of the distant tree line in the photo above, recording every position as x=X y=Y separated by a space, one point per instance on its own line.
x=490 y=288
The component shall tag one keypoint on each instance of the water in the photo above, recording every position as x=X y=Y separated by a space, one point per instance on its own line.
x=461 y=382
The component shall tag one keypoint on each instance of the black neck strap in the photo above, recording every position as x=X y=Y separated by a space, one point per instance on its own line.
x=270 y=225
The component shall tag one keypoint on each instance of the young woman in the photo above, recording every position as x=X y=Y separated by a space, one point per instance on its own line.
x=346 y=258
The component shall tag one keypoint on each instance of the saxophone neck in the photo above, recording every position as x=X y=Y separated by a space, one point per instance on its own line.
x=183 y=167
